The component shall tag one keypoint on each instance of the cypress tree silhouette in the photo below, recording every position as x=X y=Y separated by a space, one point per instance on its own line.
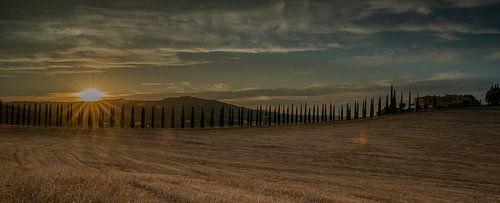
x=122 y=116
x=182 y=117
x=28 y=119
x=68 y=116
x=39 y=114
x=172 y=118
x=23 y=119
x=12 y=117
x=50 y=115
x=409 y=102
x=132 y=118
x=251 y=116
x=287 y=115
x=279 y=114
x=90 y=119
x=379 y=109
x=153 y=117
x=57 y=115
x=292 y=116
x=1 y=112
x=162 y=116
x=355 y=107
x=401 y=103
x=61 y=118
x=143 y=118
x=269 y=114
x=192 y=117
x=7 y=114
x=372 y=107
x=202 y=118
x=417 y=104
x=331 y=113
x=239 y=116
x=17 y=114
x=35 y=108
x=348 y=112
x=260 y=115
x=212 y=118
x=221 y=117
x=46 y=120
x=301 y=115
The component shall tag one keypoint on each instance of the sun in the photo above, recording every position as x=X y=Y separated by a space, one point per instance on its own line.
x=90 y=95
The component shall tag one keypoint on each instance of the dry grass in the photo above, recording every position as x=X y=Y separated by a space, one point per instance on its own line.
x=450 y=155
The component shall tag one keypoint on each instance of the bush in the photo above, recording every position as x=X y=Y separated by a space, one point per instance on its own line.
x=493 y=95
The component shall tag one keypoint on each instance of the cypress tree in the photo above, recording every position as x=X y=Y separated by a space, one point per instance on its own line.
x=379 y=109
x=305 y=115
x=287 y=115
x=162 y=116
x=212 y=118
x=172 y=118
x=372 y=105
x=143 y=118
x=401 y=103
x=153 y=122
x=296 y=114
x=132 y=118
x=292 y=116
x=260 y=115
x=35 y=108
x=279 y=114
x=182 y=117
x=331 y=113
x=202 y=118
x=68 y=116
x=122 y=116
x=61 y=118
x=57 y=115
x=23 y=120
x=348 y=112
x=17 y=114
x=12 y=117
x=250 y=111
x=221 y=117
x=6 y=114
x=1 y=112
x=90 y=122
x=28 y=119
x=409 y=101
x=269 y=116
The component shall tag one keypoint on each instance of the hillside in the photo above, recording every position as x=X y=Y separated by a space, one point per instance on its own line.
x=450 y=155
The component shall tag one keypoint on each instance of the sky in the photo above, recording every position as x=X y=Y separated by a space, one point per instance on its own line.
x=247 y=52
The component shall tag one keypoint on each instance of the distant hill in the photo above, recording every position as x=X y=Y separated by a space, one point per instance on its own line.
x=170 y=102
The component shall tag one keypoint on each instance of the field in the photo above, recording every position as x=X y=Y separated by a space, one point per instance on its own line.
x=449 y=155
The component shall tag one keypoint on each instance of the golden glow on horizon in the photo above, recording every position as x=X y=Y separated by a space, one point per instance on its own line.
x=91 y=94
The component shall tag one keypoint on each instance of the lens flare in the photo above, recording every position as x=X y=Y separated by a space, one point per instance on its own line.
x=90 y=95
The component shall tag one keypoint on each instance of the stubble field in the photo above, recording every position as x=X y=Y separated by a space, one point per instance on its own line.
x=449 y=155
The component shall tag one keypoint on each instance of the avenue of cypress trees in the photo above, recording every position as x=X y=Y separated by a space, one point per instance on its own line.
x=172 y=118
x=153 y=122
x=132 y=118
x=122 y=116
x=143 y=118
x=162 y=116
x=212 y=118
x=182 y=117
x=202 y=118
x=192 y=117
